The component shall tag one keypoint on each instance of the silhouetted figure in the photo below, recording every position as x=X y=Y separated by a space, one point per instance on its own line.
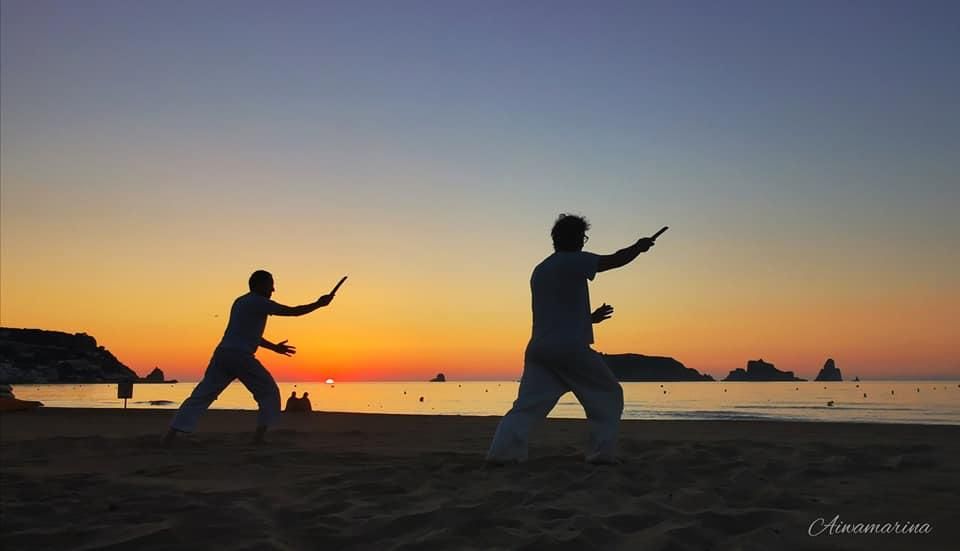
x=558 y=357
x=234 y=357
x=305 y=404
x=9 y=402
x=293 y=403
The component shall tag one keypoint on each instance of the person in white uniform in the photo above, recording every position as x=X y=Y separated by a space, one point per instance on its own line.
x=558 y=358
x=234 y=357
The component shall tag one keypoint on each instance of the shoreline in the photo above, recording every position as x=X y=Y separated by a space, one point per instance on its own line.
x=951 y=380
x=221 y=420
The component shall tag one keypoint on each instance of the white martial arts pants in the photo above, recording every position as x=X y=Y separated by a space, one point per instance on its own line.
x=548 y=375
x=225 y=366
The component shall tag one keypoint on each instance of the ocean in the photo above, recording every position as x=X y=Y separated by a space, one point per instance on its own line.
x=924 y=402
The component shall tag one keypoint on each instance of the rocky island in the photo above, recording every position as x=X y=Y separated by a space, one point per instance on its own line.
x=156 y=376
x=830 y=372
x=637 y=367
x=761 y=371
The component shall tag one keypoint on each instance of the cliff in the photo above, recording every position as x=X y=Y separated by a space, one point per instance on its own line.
x=761 y=371
x=39 y=356
x=830 y=372
x=637 y=367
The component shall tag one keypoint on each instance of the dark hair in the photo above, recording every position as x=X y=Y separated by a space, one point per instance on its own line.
x=568 y=232
x=259 y=278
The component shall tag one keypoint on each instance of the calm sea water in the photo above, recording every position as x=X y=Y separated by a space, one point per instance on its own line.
x=928 y=402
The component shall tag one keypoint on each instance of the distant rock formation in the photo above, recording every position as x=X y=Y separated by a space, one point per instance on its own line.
x=637 y=367
x=830 y=372
x=38 y=356
x=759 y=370
x=156 y=376
x=440 y=378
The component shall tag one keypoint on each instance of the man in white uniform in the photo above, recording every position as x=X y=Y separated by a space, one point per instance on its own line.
x=558 y=357
x=234 y=357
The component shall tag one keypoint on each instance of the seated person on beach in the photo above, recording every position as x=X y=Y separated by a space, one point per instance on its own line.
x=9 y=402
x=558 y=358
x=234 y=357
x=293 y=403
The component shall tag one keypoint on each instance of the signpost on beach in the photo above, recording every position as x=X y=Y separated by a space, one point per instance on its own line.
x=125 y=390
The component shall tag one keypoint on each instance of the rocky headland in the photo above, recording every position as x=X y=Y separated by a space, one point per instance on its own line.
x=39 y=356
x=637 y=367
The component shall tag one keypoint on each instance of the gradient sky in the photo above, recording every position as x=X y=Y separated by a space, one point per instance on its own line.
x=805 y=155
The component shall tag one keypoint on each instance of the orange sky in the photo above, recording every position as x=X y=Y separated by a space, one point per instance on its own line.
x=160 y=296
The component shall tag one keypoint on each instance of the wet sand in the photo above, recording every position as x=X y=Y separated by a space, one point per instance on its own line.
x=97 y=479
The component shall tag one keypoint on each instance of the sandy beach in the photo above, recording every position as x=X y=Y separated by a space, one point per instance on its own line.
x=97 y=479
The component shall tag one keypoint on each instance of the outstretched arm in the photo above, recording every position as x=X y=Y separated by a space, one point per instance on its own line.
x=307 y=308
x=280 y=348
x=303 y=308
x=624 y=256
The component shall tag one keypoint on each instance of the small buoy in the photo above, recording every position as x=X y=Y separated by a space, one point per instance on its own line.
x=864 y=394
x=724 y=390
x=485 y=390
x=891 y=392
x=421 y=398
x=830 y=403
x=404 y=392
x=664 y=391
